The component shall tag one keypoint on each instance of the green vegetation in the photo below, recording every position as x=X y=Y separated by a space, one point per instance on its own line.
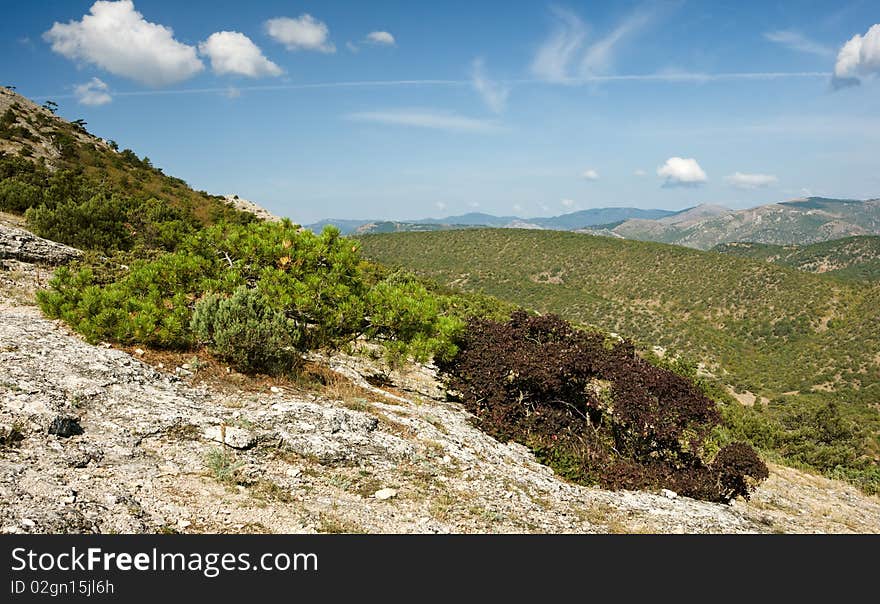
x=800 y=340
x=173 y=268
x=255 y=294
x=850 y=258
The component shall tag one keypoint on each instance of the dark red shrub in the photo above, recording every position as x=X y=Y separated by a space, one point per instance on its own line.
x=737 y=465
x=593 y=410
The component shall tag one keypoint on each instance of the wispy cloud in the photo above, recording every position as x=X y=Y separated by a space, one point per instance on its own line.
x=590 y=174
x=382 y=38
x=740 y=180
x=494 y=94
x=669 y=78
x=600 y=54
x=564 y=58
x=93 y=93
x=552 y=61
x=797 y=41
x=426 y=118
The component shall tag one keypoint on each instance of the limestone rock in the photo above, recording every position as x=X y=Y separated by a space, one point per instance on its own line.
x=237 y=438
x=24 y=246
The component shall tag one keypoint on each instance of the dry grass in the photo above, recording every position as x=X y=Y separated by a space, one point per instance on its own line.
x=333 y=523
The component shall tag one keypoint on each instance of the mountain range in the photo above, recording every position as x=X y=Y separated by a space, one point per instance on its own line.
x=564 y=222
x=796 y=222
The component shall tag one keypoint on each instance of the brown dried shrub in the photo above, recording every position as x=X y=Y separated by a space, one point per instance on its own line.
x=594 y=410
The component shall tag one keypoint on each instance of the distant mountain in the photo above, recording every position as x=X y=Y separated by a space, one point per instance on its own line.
x=345 y=226
x=471 y=219
x=855 y=258
x=565 y=222
x=388 y=226
x=800 y=222
x=795 y=222
x=595 y=216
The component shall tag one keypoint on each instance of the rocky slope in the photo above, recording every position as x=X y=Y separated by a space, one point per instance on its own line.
x=803 y=221
x=97 y=439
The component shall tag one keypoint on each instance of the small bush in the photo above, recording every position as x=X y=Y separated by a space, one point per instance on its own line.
x=17 y=196
x=246 y=331
x=97 y=224
x=738 y=468
x=594 y=411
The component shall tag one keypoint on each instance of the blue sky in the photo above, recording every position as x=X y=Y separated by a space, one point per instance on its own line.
x=404 y=110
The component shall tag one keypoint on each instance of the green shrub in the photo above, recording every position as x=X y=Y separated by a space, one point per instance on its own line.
x=98 y=223
x=315 y=283
x=246 y=331
x=150 y=304
x=17 y=196
x=410 y=320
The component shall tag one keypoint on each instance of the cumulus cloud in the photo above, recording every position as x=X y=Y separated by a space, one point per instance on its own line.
x=380 y=37
x=797 y=41
x=590 y=174
x=117 y=38
x=682 y=172
x=750 y=181
x=420 y=118
x=568 y=203
x=302 y=33
x=493 y=94
x=93 y=93
x=232 y=52
x=859 y=57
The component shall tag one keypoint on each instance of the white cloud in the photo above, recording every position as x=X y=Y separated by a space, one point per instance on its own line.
x=303 y=33
x=440 y=205
x=640 y=173
x=93 y=93
x=474 y=204
x=568 y=203
x=117 y=38
x=600 y=54
x=351 y=46
x=553 y=58
x=493 y=94
x=750 y=181
x=590 y=174
x=859 y=57
x=380 y=37
x=232 y=52
x=517 y=208
x=425 y=119
x=682 y=172
x=799 y=42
